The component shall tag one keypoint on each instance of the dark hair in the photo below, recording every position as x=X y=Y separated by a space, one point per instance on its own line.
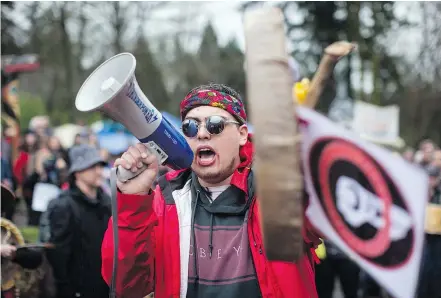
x=29 y=149
x=71 y=180
x=217 y=87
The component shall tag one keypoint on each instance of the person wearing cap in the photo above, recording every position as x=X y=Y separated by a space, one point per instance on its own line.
x=77 y=222
x=198 y=233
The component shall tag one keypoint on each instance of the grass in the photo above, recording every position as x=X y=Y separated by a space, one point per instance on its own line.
x=30 y=234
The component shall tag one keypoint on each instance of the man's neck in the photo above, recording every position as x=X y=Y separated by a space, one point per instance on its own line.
x=90 y=192
x=222 y=183
x=227 y=181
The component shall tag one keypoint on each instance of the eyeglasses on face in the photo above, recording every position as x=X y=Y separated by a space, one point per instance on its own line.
x=214 y=125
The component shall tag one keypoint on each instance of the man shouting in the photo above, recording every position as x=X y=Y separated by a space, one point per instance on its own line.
x=198 y=234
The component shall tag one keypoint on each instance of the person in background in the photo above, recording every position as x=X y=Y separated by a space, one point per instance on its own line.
x=46 y=166
x=6 y=149
x=336 y=266
x=7 y=180
x=27 y=148
x=40 y=125
x=58 y=163
x=28 y=258
x=6 y=172
x=77 y=222
x=436 y=158
x=409 y=155
x=430 y=277
x=93 y=140
x=426 y=151
x=78 y=140
x=54 y=145
x=434 y=173
x=6 y=162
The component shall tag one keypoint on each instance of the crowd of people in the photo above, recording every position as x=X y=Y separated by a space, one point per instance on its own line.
x=41 y=159
x=77 y=220
x=428 y=157
x=81 y=173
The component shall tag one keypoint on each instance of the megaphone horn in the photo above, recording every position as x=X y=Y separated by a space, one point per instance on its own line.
x=112 y=89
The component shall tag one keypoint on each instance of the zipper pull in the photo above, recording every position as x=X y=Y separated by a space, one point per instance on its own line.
x=260 y=249
x=255 y=244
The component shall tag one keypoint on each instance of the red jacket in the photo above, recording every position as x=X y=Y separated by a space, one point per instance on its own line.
x=20 y=167
x=149 y=246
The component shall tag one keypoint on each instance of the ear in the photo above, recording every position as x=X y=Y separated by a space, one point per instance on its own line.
x=243 y=135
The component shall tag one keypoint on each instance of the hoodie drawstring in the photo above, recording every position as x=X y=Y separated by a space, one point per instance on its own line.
x=194 y=235
x=210 y=245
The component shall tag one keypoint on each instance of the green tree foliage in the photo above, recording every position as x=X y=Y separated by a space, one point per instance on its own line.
x=73 y=38
x=211 y=63
x=30 y=106
x=9 y=30
x=311 y=26
x=149 y=76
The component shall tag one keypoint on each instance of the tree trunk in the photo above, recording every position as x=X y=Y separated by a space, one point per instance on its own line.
x=67 y=58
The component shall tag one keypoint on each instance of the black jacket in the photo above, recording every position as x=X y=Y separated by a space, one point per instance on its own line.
x=77 y=226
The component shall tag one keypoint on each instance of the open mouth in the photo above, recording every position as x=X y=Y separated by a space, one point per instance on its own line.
x=205 y=156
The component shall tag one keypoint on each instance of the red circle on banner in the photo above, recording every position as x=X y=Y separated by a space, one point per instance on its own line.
x=343 y=151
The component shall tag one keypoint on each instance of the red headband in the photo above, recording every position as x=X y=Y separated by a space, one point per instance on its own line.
x=217 y=99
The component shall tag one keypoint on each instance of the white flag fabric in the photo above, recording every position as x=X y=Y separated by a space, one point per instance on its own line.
x=366 y=200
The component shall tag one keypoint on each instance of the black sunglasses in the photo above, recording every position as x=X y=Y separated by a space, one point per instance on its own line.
x=213 y=124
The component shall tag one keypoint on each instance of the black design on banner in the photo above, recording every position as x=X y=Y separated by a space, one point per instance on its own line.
x=334 y=162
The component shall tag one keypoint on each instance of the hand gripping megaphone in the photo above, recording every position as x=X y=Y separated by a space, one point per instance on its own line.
x=112 y=89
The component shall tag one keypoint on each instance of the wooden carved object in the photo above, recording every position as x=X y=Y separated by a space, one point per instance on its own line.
x=276 y=139
x=333 y=53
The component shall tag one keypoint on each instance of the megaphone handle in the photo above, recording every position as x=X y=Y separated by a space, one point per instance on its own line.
x=125 y=175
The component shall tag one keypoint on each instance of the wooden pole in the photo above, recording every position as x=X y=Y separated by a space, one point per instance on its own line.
x=276 y=139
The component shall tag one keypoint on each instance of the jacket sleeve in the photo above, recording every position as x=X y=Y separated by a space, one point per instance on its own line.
x=61 y=227
x=28 y=258
x=136 y=251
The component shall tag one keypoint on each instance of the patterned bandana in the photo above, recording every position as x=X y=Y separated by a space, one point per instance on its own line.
x=214 y=98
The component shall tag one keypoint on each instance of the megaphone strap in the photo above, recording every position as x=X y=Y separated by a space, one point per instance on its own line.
x=114 y=205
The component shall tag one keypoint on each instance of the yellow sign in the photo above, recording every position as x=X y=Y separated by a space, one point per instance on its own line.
x=321 y=251
x=433 y=219
x=300 y=91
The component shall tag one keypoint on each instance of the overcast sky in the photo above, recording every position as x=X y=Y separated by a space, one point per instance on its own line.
x=227 y=21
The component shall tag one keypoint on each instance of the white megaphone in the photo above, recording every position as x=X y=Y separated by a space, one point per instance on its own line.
x=112 y=89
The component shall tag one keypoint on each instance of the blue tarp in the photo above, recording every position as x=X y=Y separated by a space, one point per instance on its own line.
x=115 y=143
x=175 y=121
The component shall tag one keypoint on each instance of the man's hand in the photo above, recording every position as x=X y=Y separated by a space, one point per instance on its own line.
x=8 y=251
x=133 y=159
